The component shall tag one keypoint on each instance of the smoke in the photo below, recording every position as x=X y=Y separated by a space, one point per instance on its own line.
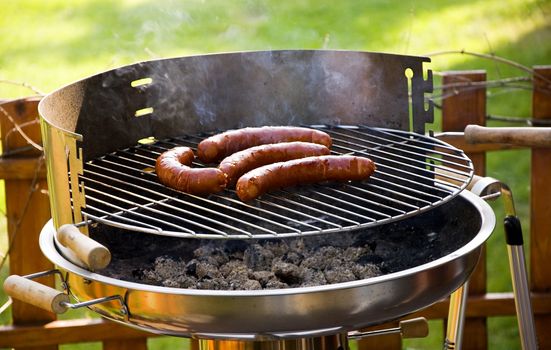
x=152 y=30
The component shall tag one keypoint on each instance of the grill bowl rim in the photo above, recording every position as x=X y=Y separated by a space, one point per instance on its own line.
x=487 y=224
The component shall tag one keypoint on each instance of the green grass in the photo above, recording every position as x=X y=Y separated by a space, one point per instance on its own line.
x=51 y=43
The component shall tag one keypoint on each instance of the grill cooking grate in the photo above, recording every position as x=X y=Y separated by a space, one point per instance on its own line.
x=121 y=189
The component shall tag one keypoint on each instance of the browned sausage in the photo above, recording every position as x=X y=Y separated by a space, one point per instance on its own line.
x=173 y=169
x=219 y=146
x=243 y=161
x=303 y=171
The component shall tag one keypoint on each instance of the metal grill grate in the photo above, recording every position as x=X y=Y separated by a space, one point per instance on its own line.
x=121 y=189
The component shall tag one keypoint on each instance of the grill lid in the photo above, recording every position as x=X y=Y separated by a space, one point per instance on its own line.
x=122 y=190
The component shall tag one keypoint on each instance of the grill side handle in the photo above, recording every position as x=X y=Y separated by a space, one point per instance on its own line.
x=23 y=288
x=90 y=252
x=527 y=136
x=36 y=294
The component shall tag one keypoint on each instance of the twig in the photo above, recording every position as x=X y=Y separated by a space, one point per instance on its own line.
x=487 y=83
x=519 y=120
x=491 y=57
x=21 y=132
x=21 y=126
x=14 y=151
x=23 y=84
x=6 y=305
x=467 y=86
x=509 y=88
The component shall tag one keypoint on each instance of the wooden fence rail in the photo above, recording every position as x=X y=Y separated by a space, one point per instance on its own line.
x=24 y=179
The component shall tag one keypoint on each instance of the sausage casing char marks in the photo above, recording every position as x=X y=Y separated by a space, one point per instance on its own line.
x=173 y=169
x=243 y=161
x=303 y=171
x=217 y=147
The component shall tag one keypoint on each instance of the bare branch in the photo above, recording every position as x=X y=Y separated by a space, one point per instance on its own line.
x=488 y=83
x=20 y=130
x=490 y=57
x=23 y=84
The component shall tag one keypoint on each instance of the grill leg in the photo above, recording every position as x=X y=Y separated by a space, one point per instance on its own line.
x=513 y=234
x=456 y=318
x=517 y=264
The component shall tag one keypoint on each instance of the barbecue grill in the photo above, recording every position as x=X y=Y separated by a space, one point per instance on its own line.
x=102 y=136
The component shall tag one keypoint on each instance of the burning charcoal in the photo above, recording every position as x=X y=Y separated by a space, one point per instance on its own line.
x=278 y=248
x=271 y=264
x=218 y=257
x=233 y=269
x=191 y=267
x=288 y=273
x=187 y=282
x=263 y=276
x=297 y=245
x=322 y=258
x=365 y=271
x=241 y=273
x=355 y=253
x=293 y=258
x=170 y=283
x=213 y=284
x=276 y=284
x=164 y=268
x=237 y=279
x=338 y=274
x=207 y=271
x=203 y=251
x=257 y=257
x=312 y=262
x=181 y=282
x=313 y=278
x=251 y=285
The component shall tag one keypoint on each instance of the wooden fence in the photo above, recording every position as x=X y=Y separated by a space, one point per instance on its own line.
x=28 y=210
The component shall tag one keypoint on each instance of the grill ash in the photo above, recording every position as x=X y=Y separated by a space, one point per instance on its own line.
x=267 y=265
x=279 y=263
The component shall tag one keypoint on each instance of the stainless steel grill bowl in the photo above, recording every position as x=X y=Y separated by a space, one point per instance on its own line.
x=292 y=312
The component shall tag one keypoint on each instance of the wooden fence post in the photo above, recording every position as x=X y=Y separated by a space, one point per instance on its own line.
x=466 y=105
x=540 y=211
x=27 y=209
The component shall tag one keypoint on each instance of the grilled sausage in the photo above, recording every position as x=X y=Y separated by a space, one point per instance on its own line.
x=173 y=169
x=303 y=171
x=251 y=158
x=216 y=147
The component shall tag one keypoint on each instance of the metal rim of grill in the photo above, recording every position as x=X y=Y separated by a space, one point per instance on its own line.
x=122 y=190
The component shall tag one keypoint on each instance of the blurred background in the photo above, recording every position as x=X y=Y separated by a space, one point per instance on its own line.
x=49 y=43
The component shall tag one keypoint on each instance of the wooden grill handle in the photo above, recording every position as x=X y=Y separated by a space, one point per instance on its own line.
x=525 y=136
x=414 y=328
x=36 y=294
x=92 y=253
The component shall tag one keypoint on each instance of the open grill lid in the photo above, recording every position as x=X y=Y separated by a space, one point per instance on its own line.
x=92 y=128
